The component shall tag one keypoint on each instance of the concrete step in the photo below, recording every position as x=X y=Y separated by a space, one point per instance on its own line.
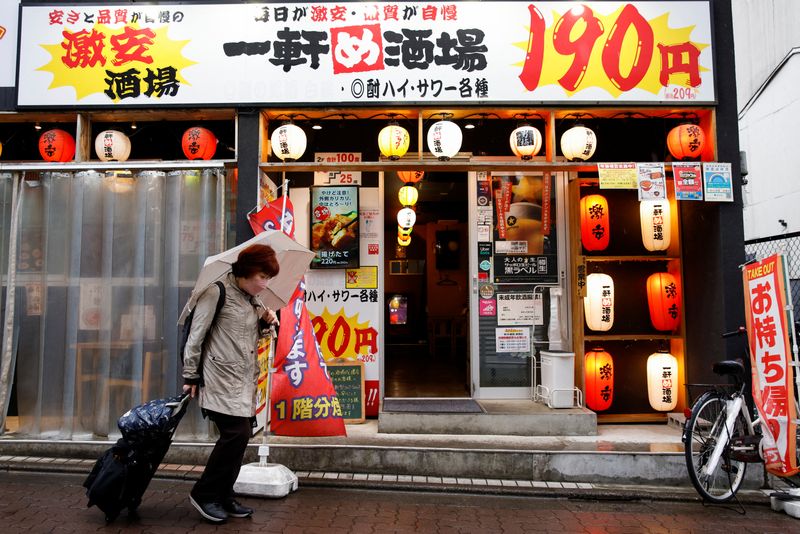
x=618 y=454
x=504 y=418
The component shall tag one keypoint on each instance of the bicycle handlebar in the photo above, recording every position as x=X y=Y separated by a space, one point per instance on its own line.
x=738 y=332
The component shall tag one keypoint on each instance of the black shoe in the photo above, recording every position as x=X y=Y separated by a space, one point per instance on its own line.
x=212 y=511
x=236 y=509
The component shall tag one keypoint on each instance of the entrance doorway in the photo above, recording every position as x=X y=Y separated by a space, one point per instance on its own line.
x=426 y=284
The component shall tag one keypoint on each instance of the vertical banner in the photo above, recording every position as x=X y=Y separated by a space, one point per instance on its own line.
x=265 y=346
x=768 y=323
x=302 y=398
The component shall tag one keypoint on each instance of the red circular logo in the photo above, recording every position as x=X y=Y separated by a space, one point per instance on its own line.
x=321 y=213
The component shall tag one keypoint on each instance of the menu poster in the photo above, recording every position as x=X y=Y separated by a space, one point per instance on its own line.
x=718 y=182
x=334 y=227
x=652 y=181
x=688 y=181
x=617 y=175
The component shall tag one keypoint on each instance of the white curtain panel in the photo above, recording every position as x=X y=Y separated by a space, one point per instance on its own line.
x=105 y=262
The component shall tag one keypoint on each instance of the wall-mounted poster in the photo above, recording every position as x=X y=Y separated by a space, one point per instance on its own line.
x=334 y=227
x=525 y=240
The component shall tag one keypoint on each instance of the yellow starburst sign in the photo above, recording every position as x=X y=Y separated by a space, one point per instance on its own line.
x=125 y=62
x=616 y=52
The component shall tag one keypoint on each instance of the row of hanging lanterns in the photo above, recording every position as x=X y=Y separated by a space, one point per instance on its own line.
x=662 y=380
x=112 y=145
x=663 y=302
x=654 y=219
x=408 y=196
x=444 y=139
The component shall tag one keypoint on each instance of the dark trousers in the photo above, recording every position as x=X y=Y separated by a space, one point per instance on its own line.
x=222 y=468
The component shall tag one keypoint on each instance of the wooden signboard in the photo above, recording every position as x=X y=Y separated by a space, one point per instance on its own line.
x=348 y=380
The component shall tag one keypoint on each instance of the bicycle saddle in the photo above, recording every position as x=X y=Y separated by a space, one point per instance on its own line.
x=729 y=367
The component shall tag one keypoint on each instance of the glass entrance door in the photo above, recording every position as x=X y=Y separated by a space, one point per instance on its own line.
x=517 y=259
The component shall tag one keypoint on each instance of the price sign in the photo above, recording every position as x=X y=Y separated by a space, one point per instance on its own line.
x=337 y=177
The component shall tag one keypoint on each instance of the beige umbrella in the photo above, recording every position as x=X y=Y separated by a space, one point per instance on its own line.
x=293 y=259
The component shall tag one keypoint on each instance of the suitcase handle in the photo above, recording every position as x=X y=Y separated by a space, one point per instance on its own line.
x=177 y=407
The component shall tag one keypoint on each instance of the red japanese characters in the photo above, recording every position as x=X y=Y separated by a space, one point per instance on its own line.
x=199 y=143
x=57 y=145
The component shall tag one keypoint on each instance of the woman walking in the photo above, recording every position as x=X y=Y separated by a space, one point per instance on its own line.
x=220 y=364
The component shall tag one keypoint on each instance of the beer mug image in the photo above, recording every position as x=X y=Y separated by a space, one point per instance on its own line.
x=524 y=223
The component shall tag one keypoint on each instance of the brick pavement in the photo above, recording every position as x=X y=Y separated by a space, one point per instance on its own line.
x=51 y=502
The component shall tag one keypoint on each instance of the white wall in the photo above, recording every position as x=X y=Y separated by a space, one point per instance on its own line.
x=765 y=32
x=768 y=131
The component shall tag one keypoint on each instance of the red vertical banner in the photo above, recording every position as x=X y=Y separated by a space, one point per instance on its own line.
x=303 y=401
x=768 y=324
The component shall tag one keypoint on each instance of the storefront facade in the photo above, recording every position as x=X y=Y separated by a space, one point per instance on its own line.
x=494 y=265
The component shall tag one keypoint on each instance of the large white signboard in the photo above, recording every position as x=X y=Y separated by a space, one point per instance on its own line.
x=363 y=52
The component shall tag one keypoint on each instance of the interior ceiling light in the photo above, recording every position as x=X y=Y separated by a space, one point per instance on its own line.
x=37 y=126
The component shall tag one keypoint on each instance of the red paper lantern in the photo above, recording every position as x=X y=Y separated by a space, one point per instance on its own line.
x=410 y=177
x=595 y=226
x=598 y=372
x=198 y=143
x=664 y=301
x=57 y=145
x=685 y=142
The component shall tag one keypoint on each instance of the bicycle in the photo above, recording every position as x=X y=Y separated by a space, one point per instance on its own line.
x=721 y=436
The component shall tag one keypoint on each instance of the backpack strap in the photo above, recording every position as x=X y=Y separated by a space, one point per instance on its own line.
x=220 y=304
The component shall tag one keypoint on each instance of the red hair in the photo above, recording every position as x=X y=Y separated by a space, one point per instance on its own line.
x=256 y=259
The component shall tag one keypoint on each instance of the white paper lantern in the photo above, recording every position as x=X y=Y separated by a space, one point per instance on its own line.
x=598 y=304
x=662 y=381
x=406 y=217
x=393 y=141
x=654 y=216
x=288 y=142
x=525 y=141
x=112 y=145
x=444 y=139
x=578 y=143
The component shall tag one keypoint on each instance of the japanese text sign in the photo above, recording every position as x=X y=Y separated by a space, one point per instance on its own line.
x=334 y=227
x=765 y=290
x=8 y=42
x=366 y=52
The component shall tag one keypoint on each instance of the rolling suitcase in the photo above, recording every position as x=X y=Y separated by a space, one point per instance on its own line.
x=121 y=476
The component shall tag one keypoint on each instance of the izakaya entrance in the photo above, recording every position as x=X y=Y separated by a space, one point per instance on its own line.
x=427 y=290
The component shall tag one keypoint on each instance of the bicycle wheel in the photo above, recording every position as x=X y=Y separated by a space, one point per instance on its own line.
x=704 y=429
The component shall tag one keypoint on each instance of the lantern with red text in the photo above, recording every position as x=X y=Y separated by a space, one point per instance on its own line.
x=198 y=143
x=654 y=216
x=56 y=145
x=598 y=304
x=598 y=372
x=686 y=142
x=111 y=145
x=410 y=177
x=662 y=381
x=664 y=301
x=595 y=226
